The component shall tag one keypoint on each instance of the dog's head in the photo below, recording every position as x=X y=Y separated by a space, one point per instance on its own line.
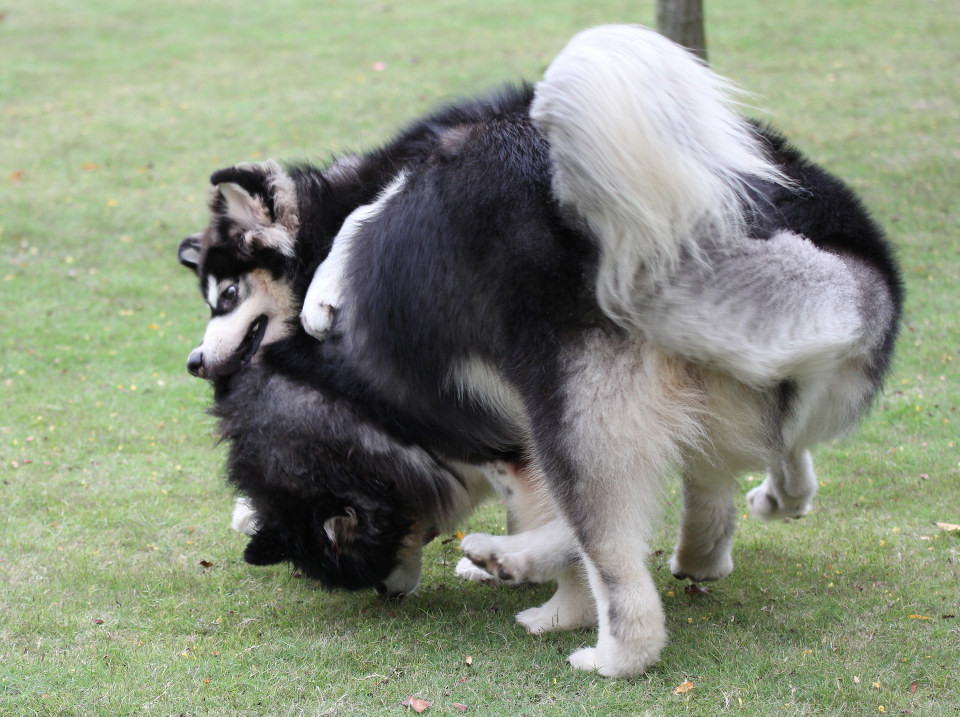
x=367 y=544
x=330 y=491
x=245 y=260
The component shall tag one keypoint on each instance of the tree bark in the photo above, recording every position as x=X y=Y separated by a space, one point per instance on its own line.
x=682 y=22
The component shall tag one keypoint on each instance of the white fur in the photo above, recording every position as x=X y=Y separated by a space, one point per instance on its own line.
x=244 y=518
x=570 y=608
x=762 y=310
x=213 y=291
x=468 y=570
x=479 y=379
x=325 y=293
x=632 y=414
x=645 y=145
x=536 y=555
x=787 y=492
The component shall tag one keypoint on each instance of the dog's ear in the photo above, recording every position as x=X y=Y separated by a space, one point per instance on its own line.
x=341 y=529
x=189 y=251
x=265 y=548
x=261 y=201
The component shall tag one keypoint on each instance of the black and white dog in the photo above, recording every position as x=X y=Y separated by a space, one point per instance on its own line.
x=607 y=279
x=332 y=479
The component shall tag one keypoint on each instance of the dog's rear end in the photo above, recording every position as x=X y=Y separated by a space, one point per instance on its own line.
x=746 y=341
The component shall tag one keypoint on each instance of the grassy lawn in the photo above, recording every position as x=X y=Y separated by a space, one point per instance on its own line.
x=122 y=590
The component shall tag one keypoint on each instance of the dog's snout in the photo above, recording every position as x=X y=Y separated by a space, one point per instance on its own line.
x=195 y=363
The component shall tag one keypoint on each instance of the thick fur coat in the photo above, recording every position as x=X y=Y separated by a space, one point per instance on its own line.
x=608 y=278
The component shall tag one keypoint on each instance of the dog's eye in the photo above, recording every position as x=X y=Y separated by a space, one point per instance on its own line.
x=228 y=298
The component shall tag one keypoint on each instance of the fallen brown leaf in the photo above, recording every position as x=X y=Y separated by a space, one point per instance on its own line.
x=416 y=704
x=684 y=687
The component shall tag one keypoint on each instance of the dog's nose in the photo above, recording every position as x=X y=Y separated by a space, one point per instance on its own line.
x=195 y=363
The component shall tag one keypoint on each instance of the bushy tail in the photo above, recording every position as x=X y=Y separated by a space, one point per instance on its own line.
x=647 y=149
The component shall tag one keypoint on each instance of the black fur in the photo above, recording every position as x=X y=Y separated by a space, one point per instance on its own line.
x=304 y=458
x=474 y=261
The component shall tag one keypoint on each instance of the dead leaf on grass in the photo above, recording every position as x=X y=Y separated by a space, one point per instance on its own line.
x=416 y=704
x=686 y=686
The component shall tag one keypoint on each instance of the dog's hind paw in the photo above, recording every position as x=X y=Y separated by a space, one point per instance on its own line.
x=317 y=320
x=766 y=503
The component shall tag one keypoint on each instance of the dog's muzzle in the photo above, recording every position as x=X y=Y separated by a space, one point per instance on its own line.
x=241 y=357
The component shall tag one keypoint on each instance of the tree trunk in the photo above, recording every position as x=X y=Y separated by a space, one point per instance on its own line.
x=682 y=22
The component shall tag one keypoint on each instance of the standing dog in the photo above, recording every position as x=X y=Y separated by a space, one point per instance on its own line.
x=613 y=277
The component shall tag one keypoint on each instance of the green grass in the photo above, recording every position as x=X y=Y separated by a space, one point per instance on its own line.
x=111 y=117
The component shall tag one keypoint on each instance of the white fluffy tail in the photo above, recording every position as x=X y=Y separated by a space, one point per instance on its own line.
x=647 y=149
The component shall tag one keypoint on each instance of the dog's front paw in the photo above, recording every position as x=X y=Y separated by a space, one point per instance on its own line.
x=483 y=551
x=244 y=518
x=615 y=660
x=584 y=659
x=467 y=570
x=317 y=319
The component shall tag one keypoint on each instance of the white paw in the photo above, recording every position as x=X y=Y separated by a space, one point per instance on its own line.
x=616 y=662
x=317 y=319
x=584 y=659
x=492 y=554
x=538 y=620
x=244 y=518
x=570 y=608
x=468 y=571
x=767 y=504
x=705 y=569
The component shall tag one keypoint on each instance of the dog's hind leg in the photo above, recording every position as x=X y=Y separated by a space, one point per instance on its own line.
x=707 y=524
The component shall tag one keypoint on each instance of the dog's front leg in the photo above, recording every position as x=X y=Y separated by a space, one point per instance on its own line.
x=324 y=294
x=327 y=290
x=535 y=556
